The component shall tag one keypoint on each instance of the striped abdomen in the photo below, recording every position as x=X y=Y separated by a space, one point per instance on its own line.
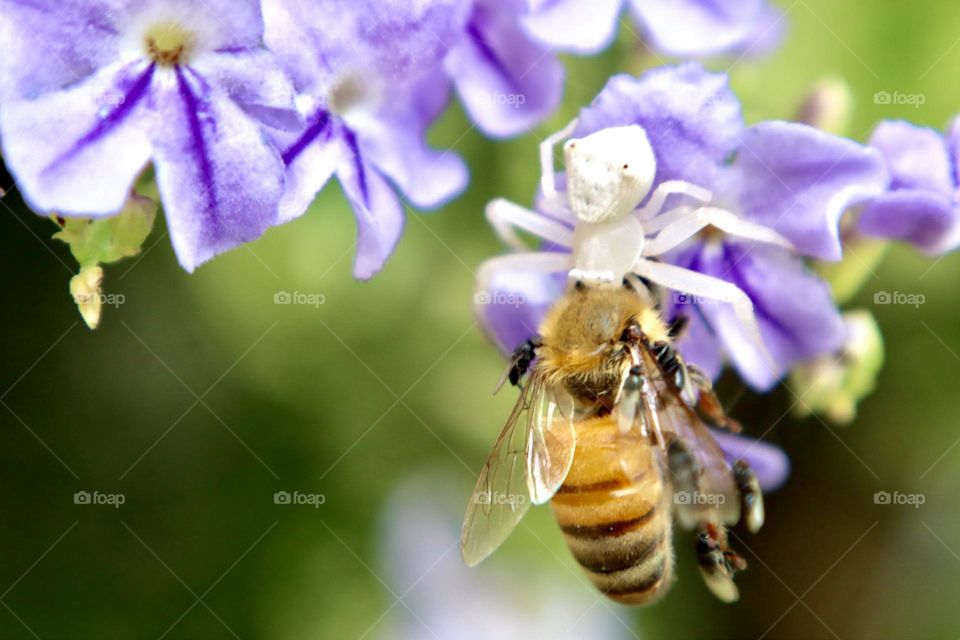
x=614 y=511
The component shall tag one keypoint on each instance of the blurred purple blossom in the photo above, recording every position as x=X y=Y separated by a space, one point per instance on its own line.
x=94 y=91
x=443 y=598
x=790 y=177
x=923 y=204
x=369 y=80
x=686 y=28
x=508 y=83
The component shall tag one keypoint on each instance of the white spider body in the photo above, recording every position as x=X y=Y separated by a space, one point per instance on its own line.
x=609 y=173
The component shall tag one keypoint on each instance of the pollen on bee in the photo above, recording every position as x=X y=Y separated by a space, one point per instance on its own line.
x=169 y=44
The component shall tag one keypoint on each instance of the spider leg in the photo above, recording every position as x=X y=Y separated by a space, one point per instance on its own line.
x=548 y=182
x=704 y=286
x=506 y=217
x=682 y=229
x=669 y=187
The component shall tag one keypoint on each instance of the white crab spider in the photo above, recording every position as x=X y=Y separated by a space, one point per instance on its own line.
x=609 y=173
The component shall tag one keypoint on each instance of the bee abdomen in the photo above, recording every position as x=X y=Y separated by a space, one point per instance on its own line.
x=628 y=560
x=615 y=515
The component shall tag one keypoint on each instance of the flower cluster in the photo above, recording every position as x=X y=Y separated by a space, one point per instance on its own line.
x=246 y=109
x=789 y=177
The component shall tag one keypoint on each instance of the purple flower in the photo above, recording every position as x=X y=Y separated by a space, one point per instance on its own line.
x=789 y=177
x=507 y=82
x=94 y=91
x=369 y=81
x=689 y=28
x=923 y=204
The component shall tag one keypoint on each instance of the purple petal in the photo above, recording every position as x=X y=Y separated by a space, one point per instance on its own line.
x=952 y=141
x=800 y=180
x=926 y=219
x=255 y=82
x=221 y=25
x=50 y=45
x=691 y=117
x=768 y=33
x=511 y=312
x=310 y=157
x=916 y=157
x=377 y=208
x=395 y=143
x=78 y=151
x=573 y=25
x=699 y=345
x=797 y=316
x=385 y=42
x=698 y=27
x=770 y=464
x=507 y=83
x=219 y=179
x=920 y=208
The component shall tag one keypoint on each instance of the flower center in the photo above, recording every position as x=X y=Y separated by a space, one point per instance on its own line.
x=353 y=95
x=169 y=44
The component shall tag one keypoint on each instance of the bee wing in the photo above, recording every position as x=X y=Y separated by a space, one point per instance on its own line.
x=550 y=443
x=704 y=485
x=528 y=464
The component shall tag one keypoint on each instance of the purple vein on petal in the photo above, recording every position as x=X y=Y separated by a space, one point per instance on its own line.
x=737 y=277
x=192 y=108
x=489 y=54
x=318 y=126
x=351 y=140
x=696 y=265
x=138 y=89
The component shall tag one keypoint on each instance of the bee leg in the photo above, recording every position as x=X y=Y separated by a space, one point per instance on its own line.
x=520 y=361
x=684 y=468
x=708 y=405
x=627 y=405
x=718 y=563
x=673 y=368
x=750 y=495
x=678 y=326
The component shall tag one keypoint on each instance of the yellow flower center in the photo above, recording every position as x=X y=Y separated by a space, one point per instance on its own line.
x=169 y=44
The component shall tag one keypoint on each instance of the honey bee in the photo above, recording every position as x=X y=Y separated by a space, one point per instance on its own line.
x=611 y=429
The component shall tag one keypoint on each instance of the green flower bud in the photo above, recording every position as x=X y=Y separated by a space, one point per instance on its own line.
x=834 y=384
x=86 y=292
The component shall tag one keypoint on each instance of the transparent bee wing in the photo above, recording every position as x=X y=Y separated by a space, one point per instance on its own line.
x=528 y=464
x=705 y=489
x=551 y=443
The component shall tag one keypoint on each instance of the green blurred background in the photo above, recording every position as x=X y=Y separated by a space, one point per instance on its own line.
x=199 y=398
